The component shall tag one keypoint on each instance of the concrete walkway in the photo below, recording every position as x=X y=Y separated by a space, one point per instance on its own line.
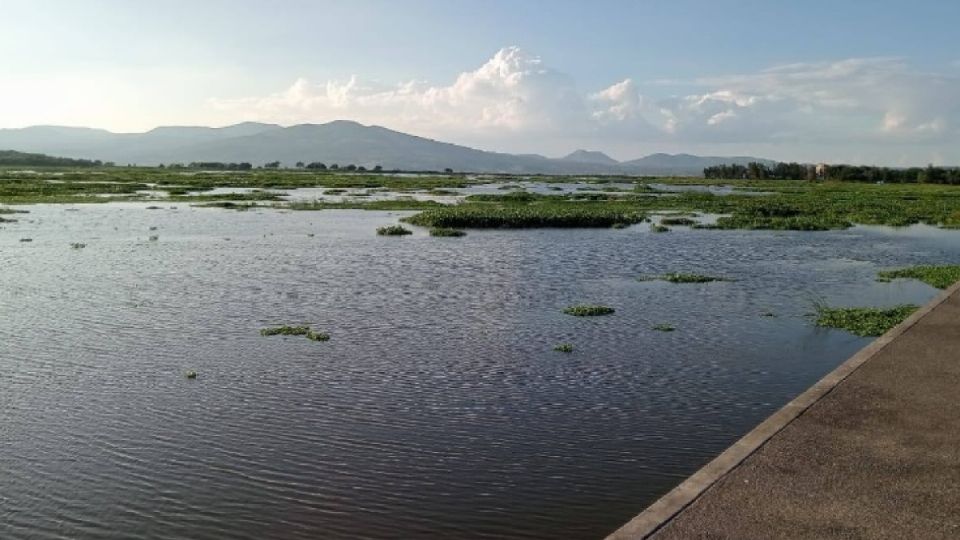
x=872 y=451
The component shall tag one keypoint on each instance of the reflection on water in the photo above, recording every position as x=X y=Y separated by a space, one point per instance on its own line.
x=438 y=409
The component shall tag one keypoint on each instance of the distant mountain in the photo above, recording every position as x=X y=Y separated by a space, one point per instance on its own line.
x=589 y=156
x=342 y=142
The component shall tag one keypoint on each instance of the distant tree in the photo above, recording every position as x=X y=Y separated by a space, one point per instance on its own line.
x=334 y=167
x=377 y=168
x=299 y=165
x=245 y=166
x=317 y=165
x=448 y=170
x=361 y=168
x=351 y=167
x=272 y=165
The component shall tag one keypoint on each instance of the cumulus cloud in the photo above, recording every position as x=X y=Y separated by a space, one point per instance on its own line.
x=515 y=94
x=512 y=91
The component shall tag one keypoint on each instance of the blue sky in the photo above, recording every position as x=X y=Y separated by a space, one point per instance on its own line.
x=849 y=81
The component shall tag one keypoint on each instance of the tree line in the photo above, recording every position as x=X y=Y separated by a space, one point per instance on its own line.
x=842 y=173
x=245 y=166
x=24 y=159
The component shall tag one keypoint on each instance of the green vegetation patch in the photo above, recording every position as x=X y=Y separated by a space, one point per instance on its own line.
x=664 y=327
x=444 y=231
x=251 y=196
x=295 y=331
x=564 y=347
x=864 y=322
x=678 y=221
x=940 y=277
x=658 y=228
x=515 y=216
x=388 y=204
x=679 y=277
x=587 y=310
x=393 y=230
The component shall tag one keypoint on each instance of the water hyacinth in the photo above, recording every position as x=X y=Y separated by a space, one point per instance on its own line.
x=393 y=230
x=679 y=277
x=864 y=322
x=305 y=331
x=940 y=277
x=517 y=216
x=587 y=310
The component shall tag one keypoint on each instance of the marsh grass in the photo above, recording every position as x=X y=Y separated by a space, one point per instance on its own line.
x=393 y=230
x=864 y=322
x=658 y=228
x=447 y=232
x=941 y=277
x=664 y=327
x=588 y=310
x=564 y=348
x=785 y=205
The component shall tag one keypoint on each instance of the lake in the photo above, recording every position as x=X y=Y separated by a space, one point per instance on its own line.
x=437 y=410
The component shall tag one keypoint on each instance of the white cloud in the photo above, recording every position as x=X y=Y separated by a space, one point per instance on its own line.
x=512 y=91
x=515 y=97
x=870 y=99
x=620 y=102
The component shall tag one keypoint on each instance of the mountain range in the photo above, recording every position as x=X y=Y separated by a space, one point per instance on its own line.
x=342 y=142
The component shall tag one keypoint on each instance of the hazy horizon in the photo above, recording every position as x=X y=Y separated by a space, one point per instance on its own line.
x=782 y=81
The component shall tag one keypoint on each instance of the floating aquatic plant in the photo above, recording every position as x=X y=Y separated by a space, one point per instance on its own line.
x=295 y=331
x=863 y=322
x=679 y=277
x=587 y=310
x=393 y=230
x=940 y=277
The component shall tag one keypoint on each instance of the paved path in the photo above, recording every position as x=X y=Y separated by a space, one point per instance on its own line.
x=872 y=452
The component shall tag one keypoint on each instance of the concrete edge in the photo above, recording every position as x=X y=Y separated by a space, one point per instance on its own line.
x=676 y=500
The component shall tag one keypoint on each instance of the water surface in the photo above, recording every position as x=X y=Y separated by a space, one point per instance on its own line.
x=437 y=410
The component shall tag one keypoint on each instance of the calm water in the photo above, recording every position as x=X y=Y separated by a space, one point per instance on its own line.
x=437 y=410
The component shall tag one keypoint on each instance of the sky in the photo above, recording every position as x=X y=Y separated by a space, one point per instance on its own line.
x=875 y=82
